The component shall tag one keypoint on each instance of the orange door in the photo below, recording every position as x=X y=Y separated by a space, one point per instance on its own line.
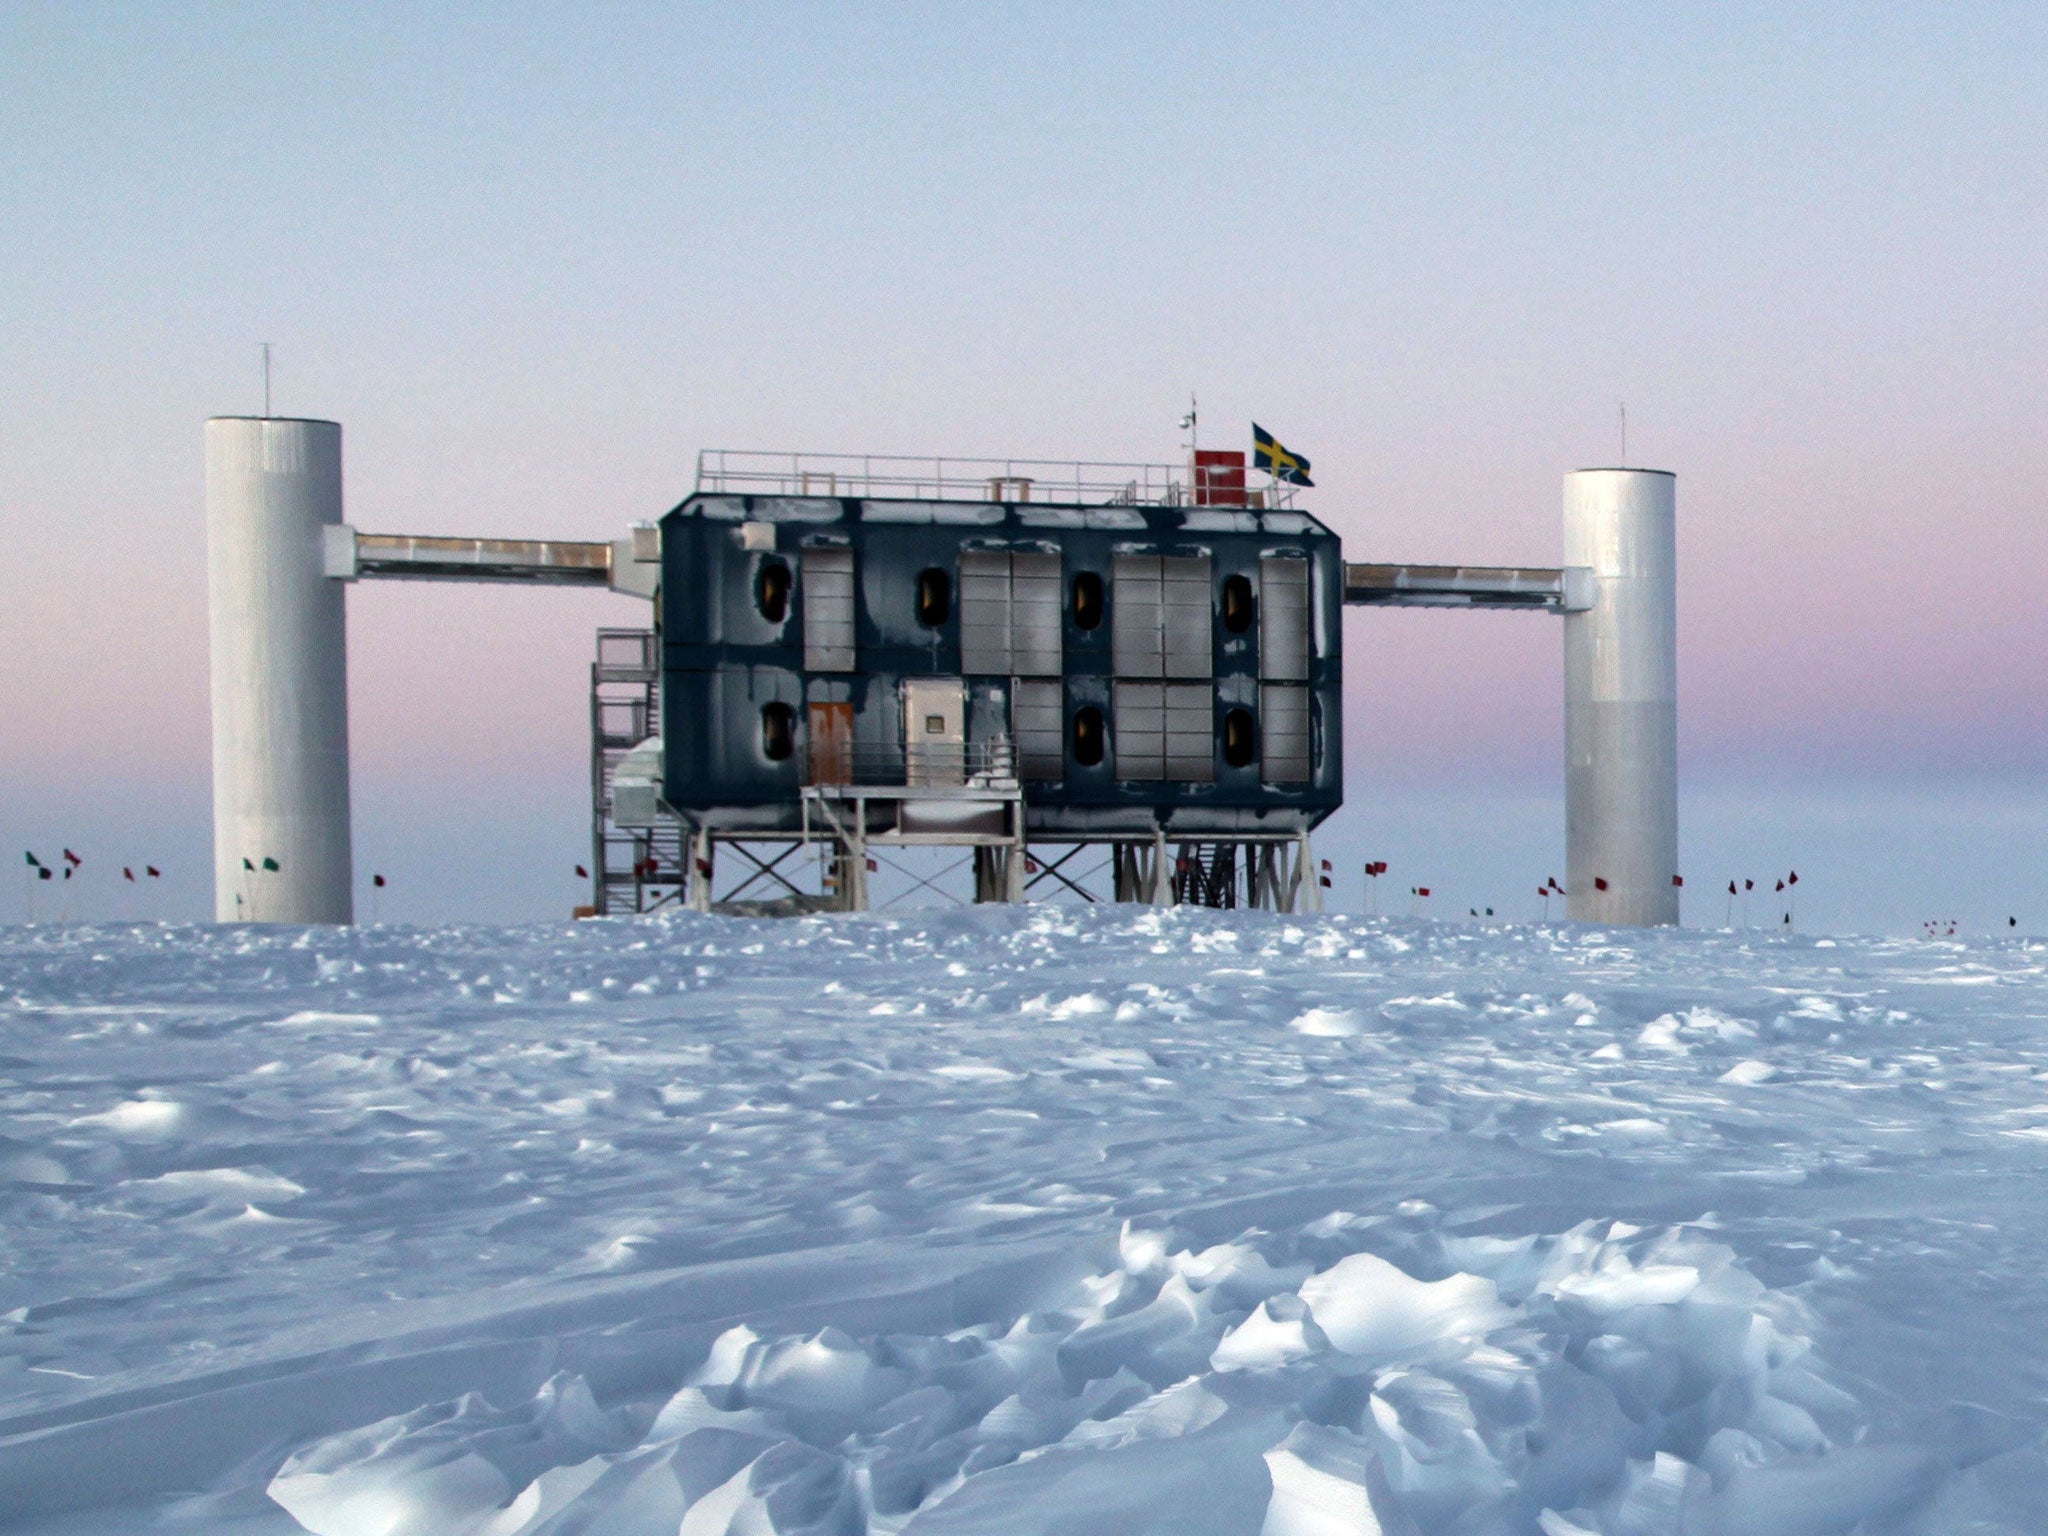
x=831 y=743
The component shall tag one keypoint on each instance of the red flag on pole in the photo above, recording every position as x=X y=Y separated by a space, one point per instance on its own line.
x=1599 y=882
x=1731 y=887
x=582 y=873
x=127 y=874
x=1781 y=885
x=72 y=859
x=1678 y=879
x=1422 y=890
x=152 y=871
x=1793 y=879
x=377 y=881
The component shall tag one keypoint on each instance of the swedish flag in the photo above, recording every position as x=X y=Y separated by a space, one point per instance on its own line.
x=1267 y=454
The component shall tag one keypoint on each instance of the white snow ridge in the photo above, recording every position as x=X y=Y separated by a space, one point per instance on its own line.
x=1040 y=1221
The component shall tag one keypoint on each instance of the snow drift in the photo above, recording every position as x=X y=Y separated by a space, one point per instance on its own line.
x=1050 y=1220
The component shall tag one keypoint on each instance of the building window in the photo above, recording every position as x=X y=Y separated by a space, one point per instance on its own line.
x=1087 y=600
x=1088 y=745
x=934 y=597
x=771 y=591
x=1240 y=738
x=778 y=731
x=1238 y=608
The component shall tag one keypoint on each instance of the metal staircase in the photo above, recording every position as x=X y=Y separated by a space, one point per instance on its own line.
x=640 y=868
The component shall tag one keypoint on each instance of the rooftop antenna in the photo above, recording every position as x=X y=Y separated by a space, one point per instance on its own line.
x=266 y=380
x=1624 y=434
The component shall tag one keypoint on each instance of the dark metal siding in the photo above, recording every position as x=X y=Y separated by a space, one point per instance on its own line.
x=852 y=635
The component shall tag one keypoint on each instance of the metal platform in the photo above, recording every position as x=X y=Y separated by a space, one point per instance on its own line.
x=953 y=796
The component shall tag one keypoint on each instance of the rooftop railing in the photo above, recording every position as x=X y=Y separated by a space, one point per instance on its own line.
x=914 y=477
x=989 y=765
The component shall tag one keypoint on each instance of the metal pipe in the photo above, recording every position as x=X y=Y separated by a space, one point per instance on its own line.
x=279 y=673
x=1621 y=698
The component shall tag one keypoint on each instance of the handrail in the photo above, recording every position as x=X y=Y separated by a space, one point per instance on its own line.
x=991 y=764
x=942 y=477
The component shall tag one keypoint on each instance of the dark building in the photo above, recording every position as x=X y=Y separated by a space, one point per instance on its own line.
x=1127 y=671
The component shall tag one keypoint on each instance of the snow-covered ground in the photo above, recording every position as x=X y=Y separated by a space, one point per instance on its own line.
x=1048 y=1220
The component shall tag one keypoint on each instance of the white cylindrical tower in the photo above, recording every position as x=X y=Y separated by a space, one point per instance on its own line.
x=1621 y=698
x=280 y=673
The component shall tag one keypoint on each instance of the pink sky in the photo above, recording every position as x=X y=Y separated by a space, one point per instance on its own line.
x=532 y=267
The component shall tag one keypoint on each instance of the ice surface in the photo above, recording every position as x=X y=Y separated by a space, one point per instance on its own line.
x=1044 y=1220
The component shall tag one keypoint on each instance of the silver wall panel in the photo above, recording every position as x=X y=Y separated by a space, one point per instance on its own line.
x=1186 y=616
x=1162 y=618
x=1138 y=730
x=1137 y=641
x=1190 y=732
x=1283 y=619
x=1036 y=614
x=985 y=611
x=1164 y=731
x=1284 y=748
x=827 y=577
x=1010 y=620
x=1038 y=726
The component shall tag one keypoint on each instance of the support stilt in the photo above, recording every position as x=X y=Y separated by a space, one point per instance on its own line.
x=700 y=870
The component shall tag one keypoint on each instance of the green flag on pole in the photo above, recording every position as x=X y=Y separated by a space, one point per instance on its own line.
x=271 y=865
